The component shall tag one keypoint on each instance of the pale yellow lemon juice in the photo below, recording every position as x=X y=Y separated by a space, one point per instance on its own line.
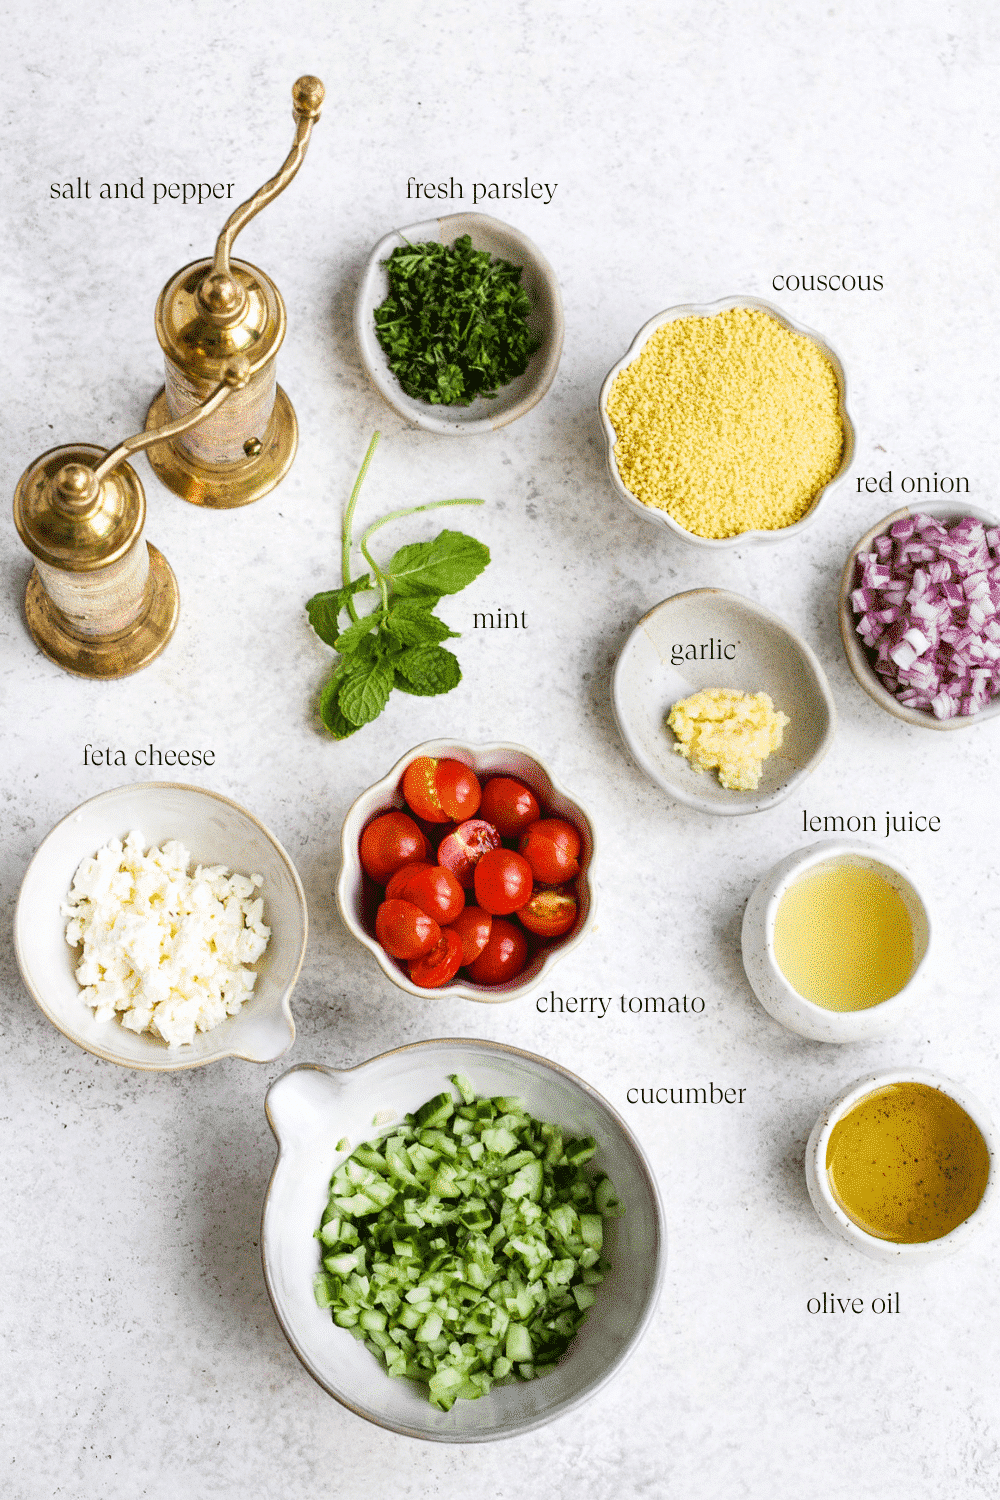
x=843 y=937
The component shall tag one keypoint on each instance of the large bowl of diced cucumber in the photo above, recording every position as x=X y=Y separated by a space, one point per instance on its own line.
x=461 y=1240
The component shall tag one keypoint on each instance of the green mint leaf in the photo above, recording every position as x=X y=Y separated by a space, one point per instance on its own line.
x=330 y=711
x=427 y=671
x=324 y=610
x=420 y=604
x=365 y=690
x=443 y=566
x=411 y=623
x=350 y=639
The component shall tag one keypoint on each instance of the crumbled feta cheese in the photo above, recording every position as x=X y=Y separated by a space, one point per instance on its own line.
x=164 y=951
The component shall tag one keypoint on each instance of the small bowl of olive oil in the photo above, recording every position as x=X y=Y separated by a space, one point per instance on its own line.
x=834 y=939
x=902 y=1165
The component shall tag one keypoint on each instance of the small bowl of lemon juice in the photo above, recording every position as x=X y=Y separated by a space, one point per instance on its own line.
x=834 y=939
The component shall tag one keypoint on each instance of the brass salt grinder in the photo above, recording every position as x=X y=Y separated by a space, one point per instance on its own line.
x=210 y=311
x=100 y=601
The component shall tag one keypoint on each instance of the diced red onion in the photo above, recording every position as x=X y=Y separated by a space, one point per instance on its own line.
x=928 y=600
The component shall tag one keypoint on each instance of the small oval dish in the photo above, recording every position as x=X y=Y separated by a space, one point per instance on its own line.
x=767 y=980
x=311 y=1109
x=502 y=241
x=831 y=1210
x=660 y=517
x=710 y=638
x=859 y=659
x=217 y=832
x=358 y=897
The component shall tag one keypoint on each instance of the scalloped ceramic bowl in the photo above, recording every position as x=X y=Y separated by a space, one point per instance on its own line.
x=769 y=657
x=545 y=321
x=857 y=656
x=660 y=517
x=357 y=896
x=840 y=1224
x=216 y=831
x=310 y=1108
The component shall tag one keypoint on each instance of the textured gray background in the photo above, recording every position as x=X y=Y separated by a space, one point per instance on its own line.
x=700 y=149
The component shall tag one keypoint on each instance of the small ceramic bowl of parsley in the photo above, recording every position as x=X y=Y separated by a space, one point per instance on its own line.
x=459 y=322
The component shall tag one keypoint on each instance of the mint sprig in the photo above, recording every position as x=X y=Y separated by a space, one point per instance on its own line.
x=398 y=644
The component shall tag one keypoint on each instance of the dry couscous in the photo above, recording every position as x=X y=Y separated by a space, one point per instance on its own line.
x=728 y=423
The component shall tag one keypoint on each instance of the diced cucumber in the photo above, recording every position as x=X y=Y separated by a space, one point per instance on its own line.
x=463 y=1247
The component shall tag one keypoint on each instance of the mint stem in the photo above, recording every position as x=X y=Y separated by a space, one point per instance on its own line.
x=345 y=557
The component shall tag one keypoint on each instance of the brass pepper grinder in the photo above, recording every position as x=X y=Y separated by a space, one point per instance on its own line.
x=209 y=311
x=100 y=601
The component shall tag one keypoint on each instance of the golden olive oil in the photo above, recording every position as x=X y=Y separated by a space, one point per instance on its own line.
x=843 y=938
x=907 y=1163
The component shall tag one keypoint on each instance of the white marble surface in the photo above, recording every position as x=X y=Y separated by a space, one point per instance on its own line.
x=699 y=150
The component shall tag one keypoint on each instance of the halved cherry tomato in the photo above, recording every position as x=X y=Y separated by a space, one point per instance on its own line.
x=389 y=842
x=504 y=955
x=458 y=789
x=441 y=964
x=420 y=790
x=435 y=891
x=394 y=890
x=441 y=790
x=404 y=930
x=509 y=806
x=461 y=850
x=503 y=881
x=473 y=927
x=549 y=913
x=551 y=847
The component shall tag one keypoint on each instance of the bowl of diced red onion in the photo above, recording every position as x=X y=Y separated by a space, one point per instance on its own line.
x=920 y=615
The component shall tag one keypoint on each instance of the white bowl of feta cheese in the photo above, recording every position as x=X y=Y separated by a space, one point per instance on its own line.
x=161 y=926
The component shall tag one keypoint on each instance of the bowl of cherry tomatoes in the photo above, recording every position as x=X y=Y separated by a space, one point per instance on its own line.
x=467 y=871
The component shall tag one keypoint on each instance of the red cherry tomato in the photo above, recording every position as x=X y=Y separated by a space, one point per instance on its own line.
x=551 y=847
x=440 y=965
x=503 y=881
x=473 y=927
x=549 y=913
x=435 y=891
x=461 y=850
x=420 y=790
x=509 y=806
x=394 y=890
x=458 y=789
x=404 y=930
x=389 y=842
x=504 y=955
x=441 y=791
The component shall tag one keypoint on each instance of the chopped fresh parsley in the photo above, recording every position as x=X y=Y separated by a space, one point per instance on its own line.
x=455 y=323
x=397 y=645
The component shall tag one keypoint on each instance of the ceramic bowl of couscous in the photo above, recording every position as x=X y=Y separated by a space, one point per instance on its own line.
x=727 y=423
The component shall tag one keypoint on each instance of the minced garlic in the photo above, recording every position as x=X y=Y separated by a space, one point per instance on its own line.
x=728 y=423
x=733 y=732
